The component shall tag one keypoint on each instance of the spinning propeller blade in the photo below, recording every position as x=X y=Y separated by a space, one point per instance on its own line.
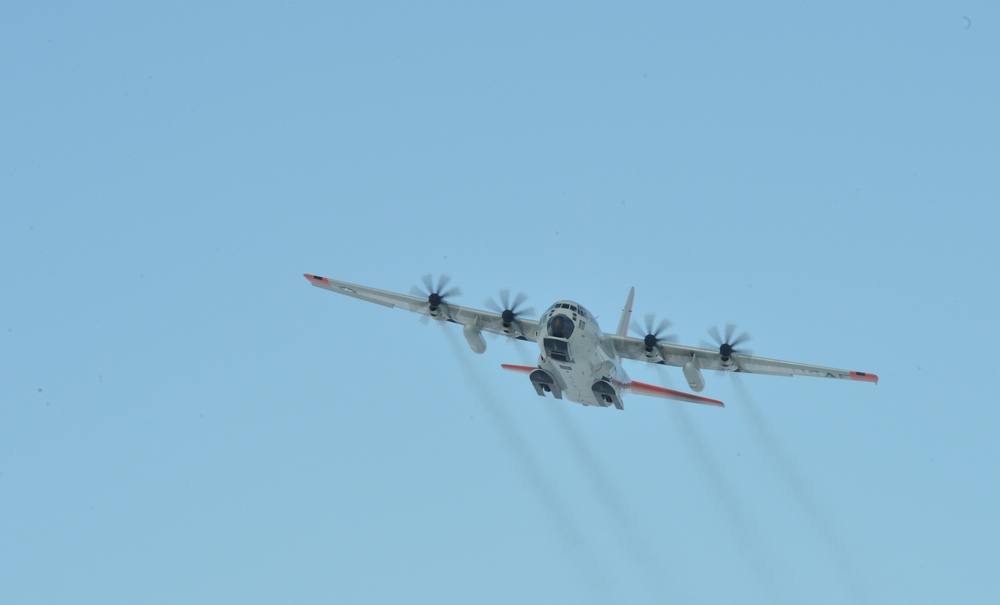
x=653 y=335
x=435 y=294
x=728 y=345
x=509 y=310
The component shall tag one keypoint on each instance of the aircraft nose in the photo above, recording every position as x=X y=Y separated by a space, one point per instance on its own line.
x=560 y=326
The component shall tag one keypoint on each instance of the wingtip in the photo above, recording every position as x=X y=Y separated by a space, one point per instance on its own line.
x=315 y=278
x=864 y=377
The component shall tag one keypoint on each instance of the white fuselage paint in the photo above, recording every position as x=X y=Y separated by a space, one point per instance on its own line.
x=589 y=359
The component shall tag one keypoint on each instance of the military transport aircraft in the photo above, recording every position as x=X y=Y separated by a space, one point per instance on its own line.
x=578 y=361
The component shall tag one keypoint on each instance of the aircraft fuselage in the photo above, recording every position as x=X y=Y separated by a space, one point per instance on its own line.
x=573 y=362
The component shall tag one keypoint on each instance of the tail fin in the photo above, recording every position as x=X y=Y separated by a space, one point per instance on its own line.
x=626 y=314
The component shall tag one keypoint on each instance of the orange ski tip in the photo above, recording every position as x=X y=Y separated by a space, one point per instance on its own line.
x=864 y=377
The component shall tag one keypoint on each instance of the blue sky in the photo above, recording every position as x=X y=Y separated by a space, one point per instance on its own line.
x=184 y=419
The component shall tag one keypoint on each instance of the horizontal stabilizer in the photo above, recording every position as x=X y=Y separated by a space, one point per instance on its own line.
x=642 y=388
x=522 y=369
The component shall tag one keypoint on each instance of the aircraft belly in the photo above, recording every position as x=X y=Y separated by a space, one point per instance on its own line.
x=577 y=377
x=578 y=385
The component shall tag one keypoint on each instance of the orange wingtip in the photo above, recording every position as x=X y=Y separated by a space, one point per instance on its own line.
x=864 y=377
x=316 y=278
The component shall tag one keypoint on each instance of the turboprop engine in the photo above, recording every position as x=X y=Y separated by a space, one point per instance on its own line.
x=693 y=376
x=435 y=296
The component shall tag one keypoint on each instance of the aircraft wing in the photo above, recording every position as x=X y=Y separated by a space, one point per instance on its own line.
x=446 y=311
x=709 y=359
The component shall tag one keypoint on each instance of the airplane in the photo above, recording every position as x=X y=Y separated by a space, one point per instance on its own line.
x=578 y=361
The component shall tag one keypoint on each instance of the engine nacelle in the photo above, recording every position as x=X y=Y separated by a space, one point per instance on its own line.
x=475 y=338
x=693 y=375
x=438 y=311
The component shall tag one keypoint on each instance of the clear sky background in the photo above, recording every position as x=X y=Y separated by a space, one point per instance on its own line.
x=183 y=419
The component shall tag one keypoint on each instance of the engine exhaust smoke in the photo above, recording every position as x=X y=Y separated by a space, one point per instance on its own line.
x=560 y=515
x=607 y=494
x=739 y=520
x=814 y=512
x=729 y=500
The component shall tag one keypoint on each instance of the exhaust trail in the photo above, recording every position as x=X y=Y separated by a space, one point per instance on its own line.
x=739 y=520
x=742 y=526
x=600 y=481
x=814 y=512
x=568 y=530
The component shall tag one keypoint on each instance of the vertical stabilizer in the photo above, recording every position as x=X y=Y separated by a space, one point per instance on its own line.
x=626 y=314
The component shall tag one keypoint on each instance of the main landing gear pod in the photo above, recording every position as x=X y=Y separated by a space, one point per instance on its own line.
x=606 y=394
x=544 y=383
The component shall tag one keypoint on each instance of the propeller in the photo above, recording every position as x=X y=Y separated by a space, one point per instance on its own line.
x=509 y=310
x=436 y=293
x=654 y=335
x=728 y=345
